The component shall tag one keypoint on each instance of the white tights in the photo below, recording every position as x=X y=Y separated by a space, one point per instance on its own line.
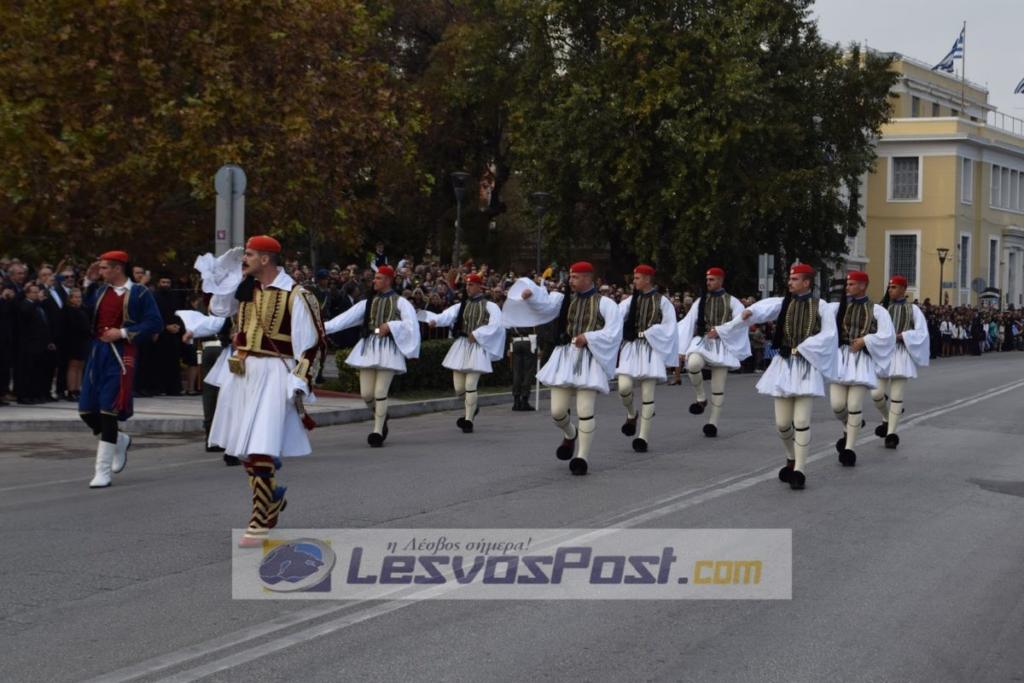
x=465 y=385
x=848 y=406
x=793 y=420
x=694 y=369
x=888 y=398
x=373 y=387
x=585 y=398
x=647 y=402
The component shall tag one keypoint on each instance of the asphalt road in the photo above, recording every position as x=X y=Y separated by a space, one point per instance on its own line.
x=907 y=567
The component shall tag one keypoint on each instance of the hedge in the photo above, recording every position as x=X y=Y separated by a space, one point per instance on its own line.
x=426 y=372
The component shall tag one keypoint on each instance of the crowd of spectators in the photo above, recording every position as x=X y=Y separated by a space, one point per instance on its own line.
x=45 y=330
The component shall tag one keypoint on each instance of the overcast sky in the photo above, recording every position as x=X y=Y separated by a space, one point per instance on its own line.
x=926 y=30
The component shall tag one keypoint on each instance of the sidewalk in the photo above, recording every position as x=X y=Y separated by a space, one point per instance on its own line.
x=185 y=413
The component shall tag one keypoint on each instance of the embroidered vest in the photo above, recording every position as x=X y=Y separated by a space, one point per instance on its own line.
x=474 y=315
x=644 y=312
x=902 y=314
x=717 y=310
x=858 y=321
x=265 y=323
x=802 y=321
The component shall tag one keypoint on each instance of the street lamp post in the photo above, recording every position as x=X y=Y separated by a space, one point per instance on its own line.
x=943 y=253
x=540 y=201
x=459 y=179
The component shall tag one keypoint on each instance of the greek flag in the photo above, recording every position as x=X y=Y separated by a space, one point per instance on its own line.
x=956 y=53
x=1020 y=88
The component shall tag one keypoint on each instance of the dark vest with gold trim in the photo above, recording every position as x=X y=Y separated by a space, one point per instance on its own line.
x=858 y=321
x=473 y=314
x=382 y=308
x=644 y=313
x=580 y=313
x=802 y=321
x=902 y=314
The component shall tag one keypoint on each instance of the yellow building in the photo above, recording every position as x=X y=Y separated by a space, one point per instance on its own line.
x=948 y=176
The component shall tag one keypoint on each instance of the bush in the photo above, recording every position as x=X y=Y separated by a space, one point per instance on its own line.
x=426 y=372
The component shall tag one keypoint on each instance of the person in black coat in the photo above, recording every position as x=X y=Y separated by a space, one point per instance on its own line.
x=7 y=322
x=36 y=348
x=166 y=368
x=77 y=333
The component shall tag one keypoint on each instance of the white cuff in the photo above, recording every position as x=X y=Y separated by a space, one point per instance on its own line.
x=124 y=333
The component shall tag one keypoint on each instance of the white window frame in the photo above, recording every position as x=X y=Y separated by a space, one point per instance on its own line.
x=920 y=179
x=916 y=286
x=967 y=181
x=965 y=286
x=995 y=183
x=993 y=267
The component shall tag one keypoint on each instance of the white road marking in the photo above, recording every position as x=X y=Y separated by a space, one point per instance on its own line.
x=661 y=508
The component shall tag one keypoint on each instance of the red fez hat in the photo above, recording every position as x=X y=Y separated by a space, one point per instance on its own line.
x=121 y=256
x=386 y=270
x=474 y=278
x=715 y=272
x=801 y=269
x=857 y=276
x=644 y=269
x=581 y=267
x=898 y=280
x=263 y=243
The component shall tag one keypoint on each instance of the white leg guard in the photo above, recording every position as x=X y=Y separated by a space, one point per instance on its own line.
x=718 y=377
x=647 y=408
x=880 y=395
x=459 y=382
x=367 y=378
x=472 y=379
x=839 y=397
x=784 y=423
x=626 y=394
x=802 y=408
x=854 y=410
x=694 y=370
x=585 y=399
x=897 y=385
x=560 y=397
x=104 y=457
x=381 y=386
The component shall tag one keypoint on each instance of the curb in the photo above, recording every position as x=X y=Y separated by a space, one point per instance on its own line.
x=326 y=418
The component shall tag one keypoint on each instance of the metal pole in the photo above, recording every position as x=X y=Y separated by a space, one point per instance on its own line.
x=540 y=223
x=536 y=396
x=942 y=266
x=458 y=231
x=963 y=73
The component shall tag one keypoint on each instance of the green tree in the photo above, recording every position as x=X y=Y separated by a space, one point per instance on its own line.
x=114 y=117
x=690 y=131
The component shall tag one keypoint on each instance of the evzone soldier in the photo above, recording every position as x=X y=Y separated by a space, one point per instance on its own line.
x=522 y=354
x=911 y=352
x=701 y=347
x=121 y=311
x=589 y=332
x=649 y=344
x=805 y=335
x=866 y=342
x=220 y=276
x=389 y=335
x=475 y=323
x=278 y=346
x=214 y=334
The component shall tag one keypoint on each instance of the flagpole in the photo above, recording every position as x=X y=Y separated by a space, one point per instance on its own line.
x=963 y=72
